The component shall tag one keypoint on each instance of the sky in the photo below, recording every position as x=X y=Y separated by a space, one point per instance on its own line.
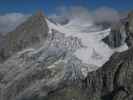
x=49 y=6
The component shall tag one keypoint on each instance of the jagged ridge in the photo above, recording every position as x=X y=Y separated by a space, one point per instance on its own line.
x=30 y=33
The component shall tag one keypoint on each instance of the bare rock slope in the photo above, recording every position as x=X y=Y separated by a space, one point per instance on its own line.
x=28 y=34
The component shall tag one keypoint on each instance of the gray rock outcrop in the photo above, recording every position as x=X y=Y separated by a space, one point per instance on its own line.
x=129 y=29
x=30 y=33
x=121 y=32
x=117 y=36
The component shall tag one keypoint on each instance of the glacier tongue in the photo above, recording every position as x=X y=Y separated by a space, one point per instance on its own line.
x=92 y=41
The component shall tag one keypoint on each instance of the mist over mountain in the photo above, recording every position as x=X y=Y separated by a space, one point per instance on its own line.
x=10 y=21
x=75 y=54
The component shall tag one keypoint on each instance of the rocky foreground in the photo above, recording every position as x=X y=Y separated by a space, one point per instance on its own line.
x=27 y=75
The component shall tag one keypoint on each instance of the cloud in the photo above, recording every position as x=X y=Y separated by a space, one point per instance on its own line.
x=10 y=21
x=70 y=13
x=99 y=15
x=63 y=15
x=106 y=14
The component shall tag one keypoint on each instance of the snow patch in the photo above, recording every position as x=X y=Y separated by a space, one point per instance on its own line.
x=25 y=51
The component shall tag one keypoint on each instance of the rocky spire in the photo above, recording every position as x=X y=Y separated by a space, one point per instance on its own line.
x=28 y=34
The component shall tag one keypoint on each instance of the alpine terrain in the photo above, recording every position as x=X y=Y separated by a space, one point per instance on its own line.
x=78 y=60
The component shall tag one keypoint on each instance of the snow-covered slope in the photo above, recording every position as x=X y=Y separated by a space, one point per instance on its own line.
x=94 y=50
x=77 y=46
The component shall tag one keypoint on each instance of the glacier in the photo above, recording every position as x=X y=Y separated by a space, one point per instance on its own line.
x=77 y=44
x=94 y=51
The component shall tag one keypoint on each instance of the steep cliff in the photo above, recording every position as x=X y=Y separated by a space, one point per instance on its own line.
x=121 y=32
x=33 y=31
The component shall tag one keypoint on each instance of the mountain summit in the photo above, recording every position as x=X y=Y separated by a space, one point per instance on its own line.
x=30 y=33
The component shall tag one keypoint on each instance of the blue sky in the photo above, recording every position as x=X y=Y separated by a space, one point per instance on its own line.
x=49 y=6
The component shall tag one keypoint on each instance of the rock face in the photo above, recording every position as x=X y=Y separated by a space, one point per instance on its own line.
x=48 y=79
x=28 y=34
x=111 y=82
x=2 y=38
x=52 y=72
x=121 y=32
x=129 y=29
x=130 y=20
x=117 y=36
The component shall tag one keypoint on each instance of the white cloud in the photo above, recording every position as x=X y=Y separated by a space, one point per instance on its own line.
x=9 y=21
x=102 y=14
x=64 y=13
x=106 y=14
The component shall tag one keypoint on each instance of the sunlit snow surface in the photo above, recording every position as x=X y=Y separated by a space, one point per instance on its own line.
x=95 y=51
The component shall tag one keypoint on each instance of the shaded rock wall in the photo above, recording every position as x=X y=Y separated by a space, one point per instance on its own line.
x=129 y=29
x=121 y=32
x=30 y=33
x=111 y=82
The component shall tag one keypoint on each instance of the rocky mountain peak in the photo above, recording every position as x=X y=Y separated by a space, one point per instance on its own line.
x=130 y=13
x=30 y=33
x=40 y=13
